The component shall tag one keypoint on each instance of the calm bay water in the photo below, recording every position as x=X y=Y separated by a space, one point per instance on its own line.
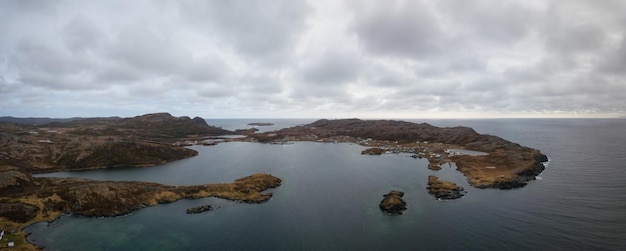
x=330 y=194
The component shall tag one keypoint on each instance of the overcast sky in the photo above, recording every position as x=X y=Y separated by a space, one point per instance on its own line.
x=312 y=59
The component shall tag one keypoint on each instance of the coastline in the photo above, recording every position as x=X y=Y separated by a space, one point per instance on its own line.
x=52 y=198
x=507 y=165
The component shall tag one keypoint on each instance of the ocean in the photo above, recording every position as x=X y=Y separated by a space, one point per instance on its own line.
x=330 y=193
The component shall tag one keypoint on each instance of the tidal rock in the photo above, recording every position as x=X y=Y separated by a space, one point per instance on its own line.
x=434 y=166
x=200 y=209
x=393 y=203
x=373 y=151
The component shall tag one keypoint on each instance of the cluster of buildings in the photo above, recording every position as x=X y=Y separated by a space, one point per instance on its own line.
x=10 y=243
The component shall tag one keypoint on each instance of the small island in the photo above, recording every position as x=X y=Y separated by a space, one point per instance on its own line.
x=373 y=151
x=444 y=190
x=393 y=203
x=200 y=209
x=260 y=124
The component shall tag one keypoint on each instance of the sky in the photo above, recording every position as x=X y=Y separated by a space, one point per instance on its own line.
x=313 y=59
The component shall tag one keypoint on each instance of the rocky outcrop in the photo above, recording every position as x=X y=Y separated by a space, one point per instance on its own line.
x=444 y=190
x=246 y=131
x=200 y=209
x=119 y=153
x=434 y=164
x=109 y=198
x=393 y=203
x=373 y=151
x=14 y=182
x=18 y=212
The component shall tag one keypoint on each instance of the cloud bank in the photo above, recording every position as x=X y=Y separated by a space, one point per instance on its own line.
x=296 y=58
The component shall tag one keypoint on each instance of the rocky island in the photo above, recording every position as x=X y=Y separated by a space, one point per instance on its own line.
x=444 y=190
x=261 y=124
x=200 y=209
x=393 y=203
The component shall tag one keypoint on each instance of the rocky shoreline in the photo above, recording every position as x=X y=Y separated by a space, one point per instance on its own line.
x=27 y=200
x=154 y=139
x=505 y=165
x=96 y=143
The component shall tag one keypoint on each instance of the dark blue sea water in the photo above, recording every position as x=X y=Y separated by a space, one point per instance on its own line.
x=330 y=194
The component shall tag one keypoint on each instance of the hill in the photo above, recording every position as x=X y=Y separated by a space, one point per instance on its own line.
x=89 y=143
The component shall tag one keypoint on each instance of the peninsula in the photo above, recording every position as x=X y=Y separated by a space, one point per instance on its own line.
x=504 y=165
x=28 y=147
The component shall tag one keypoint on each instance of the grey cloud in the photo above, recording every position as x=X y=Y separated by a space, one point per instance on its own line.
x=503 y=23
x=399 y=28
x=81 y=34
x=309 y=91
x=614 y=61
x=331 y=67
x=383 y=76
x=526 y=74
x=31 y=5
x=255 y=28
x=567 y=38
x=113 y=73
x=42 y=65
x=206 y=69
x=4 y=85
x=326 y=75
x=214 y=90
x=146 y=50
x=262 y=85
x=37 y=56
x=453 y=64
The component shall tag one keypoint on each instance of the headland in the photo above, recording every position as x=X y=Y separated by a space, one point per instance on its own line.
x=504 y=164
